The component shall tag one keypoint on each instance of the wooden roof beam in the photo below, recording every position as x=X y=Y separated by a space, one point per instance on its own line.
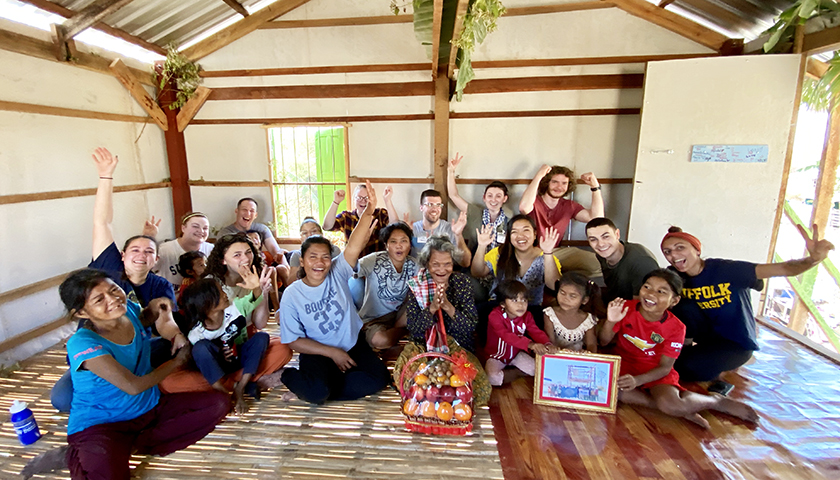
x=822 y=41
x=57 y=9
x=191 y=107
x=437 y=16
x=815 y=68
x=390 y=19
x=665 y=3
x=460 y=13
x=90 y=15
x=241 y=28
x=237 y=7
x=673 y=22
x=35 y=47
x=149 y=105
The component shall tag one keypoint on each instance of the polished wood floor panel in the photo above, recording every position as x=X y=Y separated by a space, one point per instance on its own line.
x=796 y=392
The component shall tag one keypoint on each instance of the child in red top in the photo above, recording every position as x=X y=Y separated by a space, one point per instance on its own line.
x=650 y=340
x=506 y=340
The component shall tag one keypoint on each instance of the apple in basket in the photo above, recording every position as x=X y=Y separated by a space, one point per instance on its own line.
x=432 y=394
x=447 y=394
x=463 y=394
x=416 y=392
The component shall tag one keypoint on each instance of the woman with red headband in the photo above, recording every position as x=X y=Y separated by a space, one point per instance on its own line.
x=716 y=306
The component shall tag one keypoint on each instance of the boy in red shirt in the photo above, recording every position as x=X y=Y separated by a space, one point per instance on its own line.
x=649 y=341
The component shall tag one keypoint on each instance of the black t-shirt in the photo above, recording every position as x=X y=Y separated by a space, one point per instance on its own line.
x=110 y=260
x=624 y=279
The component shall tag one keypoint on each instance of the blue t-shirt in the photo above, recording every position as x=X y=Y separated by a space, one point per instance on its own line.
x=110 y=260
x=717 y=303
x=96 y=400
x=325 y=313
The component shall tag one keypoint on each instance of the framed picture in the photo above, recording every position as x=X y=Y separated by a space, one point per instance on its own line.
x=577 y=381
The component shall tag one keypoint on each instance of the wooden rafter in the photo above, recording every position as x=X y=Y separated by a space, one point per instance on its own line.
x=191 y=107
x=237 y=7
x=114 y=32
x=673 y=22
x=456 y=35
x=90 y=15
x=665 y=3
x=822 y=41
x=241 y=28
x=437 y=16
x=149 y=105
x=815 y=68
x=34 y=47
x=390 y=19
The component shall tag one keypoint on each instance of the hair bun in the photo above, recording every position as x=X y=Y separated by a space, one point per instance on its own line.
x=674 y=230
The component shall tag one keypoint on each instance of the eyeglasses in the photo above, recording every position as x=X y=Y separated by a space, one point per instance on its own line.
x=362 y=198
x=433 y=205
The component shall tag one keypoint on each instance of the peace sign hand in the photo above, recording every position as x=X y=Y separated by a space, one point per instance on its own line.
x=817 y=249
x=455 y=161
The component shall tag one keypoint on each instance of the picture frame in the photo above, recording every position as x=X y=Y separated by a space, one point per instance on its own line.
x=585 y=382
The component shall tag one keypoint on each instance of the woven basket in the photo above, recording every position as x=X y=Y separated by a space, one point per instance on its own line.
x=428 y=424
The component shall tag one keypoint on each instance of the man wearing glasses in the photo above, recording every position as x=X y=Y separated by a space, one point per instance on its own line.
x=347 y=220
x=431 y=204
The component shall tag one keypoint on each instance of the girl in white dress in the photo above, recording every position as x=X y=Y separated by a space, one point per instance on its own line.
x=566 y=324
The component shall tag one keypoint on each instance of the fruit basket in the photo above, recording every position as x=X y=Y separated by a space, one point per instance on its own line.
x=436 y=392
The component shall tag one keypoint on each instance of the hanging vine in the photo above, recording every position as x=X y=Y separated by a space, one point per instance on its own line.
x=479 y=21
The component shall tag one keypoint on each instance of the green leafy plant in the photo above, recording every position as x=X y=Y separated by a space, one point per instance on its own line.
x=480 y=20
x=181 y=72
x=817 y=94
x=781 y=33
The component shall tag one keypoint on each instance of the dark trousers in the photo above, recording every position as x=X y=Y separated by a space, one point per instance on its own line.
x=318 y=378
x=211 y=362
x=707 y=360
x=179 y=420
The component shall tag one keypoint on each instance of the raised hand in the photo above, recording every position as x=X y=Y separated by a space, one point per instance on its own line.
x=460 y=224
x=549 y=240
x=406 y=219
x=338 y=196
x=371 y=196
x=152 y=228
x=616 y=310
x=484 y=235
x=265 y=279
x=454 y=162
x=250 y=279
x=543 y=171
x=817 y=249
x=387 y=194
x=105 y=162
x=589 y=179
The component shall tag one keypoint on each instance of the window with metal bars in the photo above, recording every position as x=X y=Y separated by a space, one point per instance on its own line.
x=308 y=164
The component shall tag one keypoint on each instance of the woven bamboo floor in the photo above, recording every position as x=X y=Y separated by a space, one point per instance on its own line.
x=363 y=439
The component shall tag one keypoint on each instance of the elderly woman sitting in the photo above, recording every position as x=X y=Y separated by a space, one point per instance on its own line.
x=450 y=292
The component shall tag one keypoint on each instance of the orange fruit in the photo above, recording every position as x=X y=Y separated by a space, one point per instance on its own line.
x=421 y=379
x=456 y=381
x=411 y=407
x=427 y=409
x=444 y=411
x=463 y=412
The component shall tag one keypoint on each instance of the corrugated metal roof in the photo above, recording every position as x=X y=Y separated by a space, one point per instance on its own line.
x=166 y=21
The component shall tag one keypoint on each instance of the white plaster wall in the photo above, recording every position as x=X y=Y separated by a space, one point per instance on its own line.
x=43 y=153
x=729 y=100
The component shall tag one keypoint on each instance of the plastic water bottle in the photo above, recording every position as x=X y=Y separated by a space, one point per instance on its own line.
x=24 y=421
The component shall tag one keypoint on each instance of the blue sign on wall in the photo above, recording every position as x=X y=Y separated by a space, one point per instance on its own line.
x=730 y=153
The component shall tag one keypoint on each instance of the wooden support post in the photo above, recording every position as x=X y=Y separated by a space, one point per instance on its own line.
x=65 y=50
x=192 y=106
x=436 y=26
x=124 y=75
x=176 y=155
x=824 y=198
x=441 y=135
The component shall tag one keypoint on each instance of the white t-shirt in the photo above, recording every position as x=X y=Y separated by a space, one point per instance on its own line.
x=169 y=253
x=385 y=288
x=237 y=318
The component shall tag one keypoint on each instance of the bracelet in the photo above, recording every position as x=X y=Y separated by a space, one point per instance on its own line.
x=595 y=189
x=106 y=178
x=335 y=202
